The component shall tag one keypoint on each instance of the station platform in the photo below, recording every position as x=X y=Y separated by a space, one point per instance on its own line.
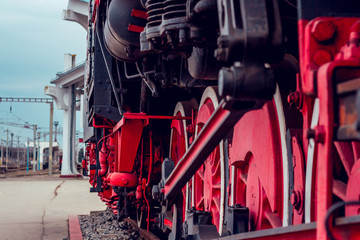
x=38 y=207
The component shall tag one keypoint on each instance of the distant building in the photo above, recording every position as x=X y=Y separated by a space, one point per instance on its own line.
x=44 y=152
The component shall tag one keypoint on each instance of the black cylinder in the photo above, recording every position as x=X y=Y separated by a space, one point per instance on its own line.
x=121 y=42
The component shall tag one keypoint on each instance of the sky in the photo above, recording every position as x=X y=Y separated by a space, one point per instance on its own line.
x=33 y=41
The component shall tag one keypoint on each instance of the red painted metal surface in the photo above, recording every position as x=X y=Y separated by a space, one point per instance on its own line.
x=256 y=155
x=135 y=28
x=120 y=179
x=297 y=194
x=220 y=123
x=128 y=139
x=319 y=41
x=207 y=180
x=139 y=14
x=349 y=57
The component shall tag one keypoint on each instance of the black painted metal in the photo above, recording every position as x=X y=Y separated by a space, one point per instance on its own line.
x=335 y=8
x=198 y=226
x=250 y=30
x=120 y=42
x=237 y=219
x=101 y=102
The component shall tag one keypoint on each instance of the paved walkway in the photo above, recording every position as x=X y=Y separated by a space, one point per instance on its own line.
x=37 y=207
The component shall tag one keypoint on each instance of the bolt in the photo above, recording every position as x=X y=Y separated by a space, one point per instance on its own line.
x=323 y=30
x=294 y=98
x=310 y=133
x=125 y=181
x=190 y=129
x=319 y=134
x=321 y=57
x=295 y=199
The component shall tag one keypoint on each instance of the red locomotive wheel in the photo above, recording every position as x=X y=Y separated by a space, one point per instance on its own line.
x=209 y=180
x=179 y=140
x=258 y=157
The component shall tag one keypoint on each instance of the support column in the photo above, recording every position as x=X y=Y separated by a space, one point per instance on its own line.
x=66 y=100
x=51 y=139
x=66 y=164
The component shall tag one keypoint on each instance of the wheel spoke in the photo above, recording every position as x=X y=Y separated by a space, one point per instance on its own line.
x=356 y=150
x=339 y=189
x=215 y=168
x=346 y=155
x=243 y=177
x=201 y=174
x=216 y=202
x=209 y=190
x=217 y=186
x=200 y=203
x=273 y=218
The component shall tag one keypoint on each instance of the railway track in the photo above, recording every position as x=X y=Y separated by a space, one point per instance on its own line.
x=143 y=233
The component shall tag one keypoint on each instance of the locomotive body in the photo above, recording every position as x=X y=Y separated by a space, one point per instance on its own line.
x=221 y=118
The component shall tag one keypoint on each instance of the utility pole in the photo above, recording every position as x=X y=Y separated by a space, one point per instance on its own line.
x=2 y=152
x=51 y=138
x=7 y=148
x=18 y=152
x=11 y=145
x=27 y=155
x=34 y=152
x=38 y=153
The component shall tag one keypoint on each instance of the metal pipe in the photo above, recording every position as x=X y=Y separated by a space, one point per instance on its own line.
x=151 y=159
x=120 y=85
x=130 y=76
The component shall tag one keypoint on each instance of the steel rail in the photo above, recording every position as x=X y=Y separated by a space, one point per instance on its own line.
x=143 y=233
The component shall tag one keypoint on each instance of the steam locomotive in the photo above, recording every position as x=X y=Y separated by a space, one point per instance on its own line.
x=234 y=119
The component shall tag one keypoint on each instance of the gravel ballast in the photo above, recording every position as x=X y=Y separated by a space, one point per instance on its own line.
x=104 y=225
